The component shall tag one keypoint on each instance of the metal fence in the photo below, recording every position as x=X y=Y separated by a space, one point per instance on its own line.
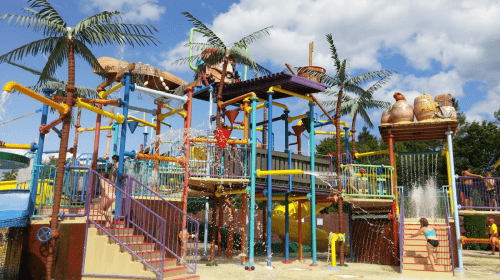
x=478 y=193
x=367 y=181
x=211 y=161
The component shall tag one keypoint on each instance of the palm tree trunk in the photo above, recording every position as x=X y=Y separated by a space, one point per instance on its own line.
x=70 y=89
x=339 y=180
x=353 y=132
x=219 y=92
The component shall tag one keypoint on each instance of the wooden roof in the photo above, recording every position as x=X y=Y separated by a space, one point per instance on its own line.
x=419 y=131
x=261 y=85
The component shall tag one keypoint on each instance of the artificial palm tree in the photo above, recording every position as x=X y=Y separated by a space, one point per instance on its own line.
x=62 y=43
x=222 y=53
x=360 y=104
x=344 y=82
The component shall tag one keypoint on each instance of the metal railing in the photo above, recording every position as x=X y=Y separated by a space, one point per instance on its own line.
x=367 y=181
x=477 y=193
x=134 y=223
x=45 y=188
x=165 y=178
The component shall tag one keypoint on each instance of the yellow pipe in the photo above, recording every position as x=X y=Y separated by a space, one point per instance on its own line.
x=16 y=146
x=448 y=170
x=104 y=94
x=61 y=108
x=331 y=133
x=496 y=164
x=275 y=104
x=242 y=128
x=219 y=193
x=373 y=175
x=386 y=151
x=278 y=89
x=81 y=129
x=291 y=119
x=142 y=121
x=161 y=117
x=223 y=105
x=279 y=172
x=183 y=115
x=336 y=237
x=344 y=124
x=118 y=118
x=282 y=198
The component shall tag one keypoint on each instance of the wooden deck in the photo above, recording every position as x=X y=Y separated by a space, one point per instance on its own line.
x=471 y=212
x=418 y=131
x=369 y=205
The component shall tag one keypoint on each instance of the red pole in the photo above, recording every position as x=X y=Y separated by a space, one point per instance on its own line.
x=77 y=126
x=394 y=212
x=299 y=213
x=214 y=223
x=96 y=139
x=219 y=232
x=187 y=145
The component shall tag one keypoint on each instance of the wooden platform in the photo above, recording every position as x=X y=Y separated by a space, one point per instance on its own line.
x=471 y=212
x=369 y=205
x=419 y=131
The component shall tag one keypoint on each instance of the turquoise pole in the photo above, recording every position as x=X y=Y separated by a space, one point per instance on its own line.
x=115 y=144
x=455 y=213
x=346 y=130
x=313 y=186
x=253 y=173
x=287 y=210
x=269 y=177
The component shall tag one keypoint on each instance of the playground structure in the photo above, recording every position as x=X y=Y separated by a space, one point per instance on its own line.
x=149 y=221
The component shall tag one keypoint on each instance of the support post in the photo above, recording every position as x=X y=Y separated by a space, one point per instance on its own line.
x=253 y=174
x=123 y=138
x=39 y=155
x=299 y=214
x=287 y=217
x=269 y=177
x=346 y=133
x=205 y=235
x=244 y=228
x=351 y=242
x=394 y=211
x=313 y=186
x=460 y=267
x=115 y=140
x=187 y=146
x=77 y=126
x=214 y=223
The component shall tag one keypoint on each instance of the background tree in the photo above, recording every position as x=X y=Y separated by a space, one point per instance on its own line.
x=222 y=53
x=344 y=82
x=9 y=175
x=62 y=43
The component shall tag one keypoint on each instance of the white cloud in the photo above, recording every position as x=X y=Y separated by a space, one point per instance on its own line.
x=484 y=109
x=136 y=11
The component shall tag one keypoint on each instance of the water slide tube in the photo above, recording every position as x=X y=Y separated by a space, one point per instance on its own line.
x=278 y=224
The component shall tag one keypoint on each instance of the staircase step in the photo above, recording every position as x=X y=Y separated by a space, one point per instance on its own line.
x=149 y=255
x=441 y=248
x=423 y=254
x=419 y=259
x=423 y=242
x=174 y=271
x=140 y=246
x=424 y=273
x=128 y=238
x=183 y=277
x=426 y=267
x=157 y=263
x=117 y=231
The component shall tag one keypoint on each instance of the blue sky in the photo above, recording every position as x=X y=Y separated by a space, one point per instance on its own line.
x=437 y=47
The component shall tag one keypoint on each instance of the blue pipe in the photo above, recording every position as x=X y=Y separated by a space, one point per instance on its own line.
x=320 y=124
x=346 y=130
x=145 y=139
x=287 y=218
x=269 y=177
x=313 y=186
x=253 y=174
x=39 y=155
x=124 y=105
x=205 y=236
x=115 y=140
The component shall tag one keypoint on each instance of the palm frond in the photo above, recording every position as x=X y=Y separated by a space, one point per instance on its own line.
x=377 y=85
x=364 y=115
x=188 y=59
x=363 y=78
x=333 y=50
x=31 y=70
x=99 y=18
x=247 y=40
x=204 y=46
x=56 y=59
x=82 y=51
x=240 y=56
x=47 y=11
x=46 y=45
x=108 y=33
x=36 y=23
x=212 y=38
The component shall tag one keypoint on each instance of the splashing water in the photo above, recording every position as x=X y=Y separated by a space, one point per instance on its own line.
x=3 y=100
x=423 y=201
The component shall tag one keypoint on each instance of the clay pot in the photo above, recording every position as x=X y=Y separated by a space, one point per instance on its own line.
x=386 y=116
x=424 y=107
x=402 y=110
x=448 y=110
x=444 y=99
x=303 y=72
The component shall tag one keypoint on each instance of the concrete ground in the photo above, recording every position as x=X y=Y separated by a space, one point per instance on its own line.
x=478 y=265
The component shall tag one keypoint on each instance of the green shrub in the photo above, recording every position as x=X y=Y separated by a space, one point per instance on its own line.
x=475 y=227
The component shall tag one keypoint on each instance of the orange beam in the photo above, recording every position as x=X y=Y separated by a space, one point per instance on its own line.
x=222 y=105
x=230 y=141
x=160 y=158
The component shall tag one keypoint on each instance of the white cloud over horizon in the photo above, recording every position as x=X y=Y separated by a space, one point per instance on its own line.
x=447 y=43
x=137 y=11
